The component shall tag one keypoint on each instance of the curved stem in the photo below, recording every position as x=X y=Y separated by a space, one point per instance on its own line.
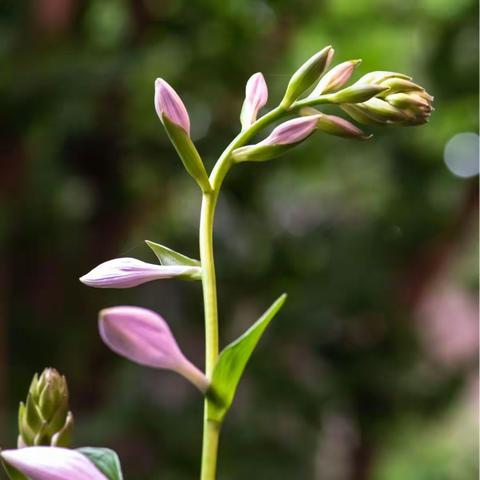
x=211 y=430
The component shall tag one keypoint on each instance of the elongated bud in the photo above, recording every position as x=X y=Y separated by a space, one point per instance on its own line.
x=337 y=126
x=174 y=116
x=130 y=272
x=256 y=96
x=336 y=78
x=307 y=75
x=144 y=337
x=357 y=93
x=45 y=419
x=51 y=463
x=168 y=104
x=282 y=139
x=378 y=77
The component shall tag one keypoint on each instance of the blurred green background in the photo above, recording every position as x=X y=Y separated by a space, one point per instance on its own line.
x=370 y=370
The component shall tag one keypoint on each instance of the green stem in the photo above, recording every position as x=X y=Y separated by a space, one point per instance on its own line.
x=211 y=430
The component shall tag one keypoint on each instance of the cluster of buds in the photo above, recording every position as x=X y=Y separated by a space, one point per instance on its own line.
x=378 y=98
x=402 y=101
x=45 y=419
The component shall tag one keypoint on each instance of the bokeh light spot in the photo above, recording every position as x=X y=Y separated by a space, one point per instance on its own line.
x=461 y=154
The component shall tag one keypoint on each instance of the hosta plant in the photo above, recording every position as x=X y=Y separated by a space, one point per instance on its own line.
x=143 y=336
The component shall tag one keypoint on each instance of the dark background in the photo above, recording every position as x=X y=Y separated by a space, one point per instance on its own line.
x=369 y=372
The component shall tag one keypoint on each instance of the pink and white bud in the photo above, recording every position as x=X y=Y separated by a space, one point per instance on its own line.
x=168 y=103
x=52 y=463
x=340 y=127
x=144 y=337
x=130 y=272
x=256 y=96
x=336 y=78
x=292 y=131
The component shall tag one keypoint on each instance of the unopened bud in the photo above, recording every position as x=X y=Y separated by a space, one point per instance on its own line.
x=357 y=93
x=282 y=139
x=256 y=96
x=307 y=75
x=45 y=419
x=336 y=78
x=175 y=119
x=340 y=127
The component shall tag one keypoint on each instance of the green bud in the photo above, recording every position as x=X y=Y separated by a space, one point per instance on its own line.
x=357 y=93
x=45 y=419
x=188 y=153
x=307 y=75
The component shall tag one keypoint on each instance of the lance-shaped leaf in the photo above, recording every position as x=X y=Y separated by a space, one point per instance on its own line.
x=167 y=256
x=231 y=364
x=130 y=272
x=105 y=460
x=52 y=463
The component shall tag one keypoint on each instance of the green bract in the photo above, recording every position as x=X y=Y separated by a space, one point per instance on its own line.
x=105 y=460
x=231 y=364
x=188 y=153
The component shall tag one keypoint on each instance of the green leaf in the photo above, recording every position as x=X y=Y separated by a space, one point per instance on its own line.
x=188 y=153
x=12 y=473
x=105 y=460
x=167 y=256
x=231 y=364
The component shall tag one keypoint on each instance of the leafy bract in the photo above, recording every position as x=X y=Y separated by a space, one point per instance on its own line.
x=167 y=256
x=231 y=364
x=105 y=460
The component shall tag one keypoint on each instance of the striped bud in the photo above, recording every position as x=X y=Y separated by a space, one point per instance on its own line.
x=130 y=272
x=336 y=78
x=51 y=463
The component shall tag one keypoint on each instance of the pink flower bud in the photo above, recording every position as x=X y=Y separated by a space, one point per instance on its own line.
x=292 y=131
x=144 y=337
x=256 y=96
x=168 y=103
x=340 y=127
x=52 y=463
x=130 y=272
x=336 y=78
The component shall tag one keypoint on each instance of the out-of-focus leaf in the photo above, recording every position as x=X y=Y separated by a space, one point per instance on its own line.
x=105 y=460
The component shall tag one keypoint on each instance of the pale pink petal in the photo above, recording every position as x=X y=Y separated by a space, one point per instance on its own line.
x=335 y=78
x=52 y=463
x=130 y=272
x=168 y=103
x=256 y=96
x=292 y=131
x=145 y=338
